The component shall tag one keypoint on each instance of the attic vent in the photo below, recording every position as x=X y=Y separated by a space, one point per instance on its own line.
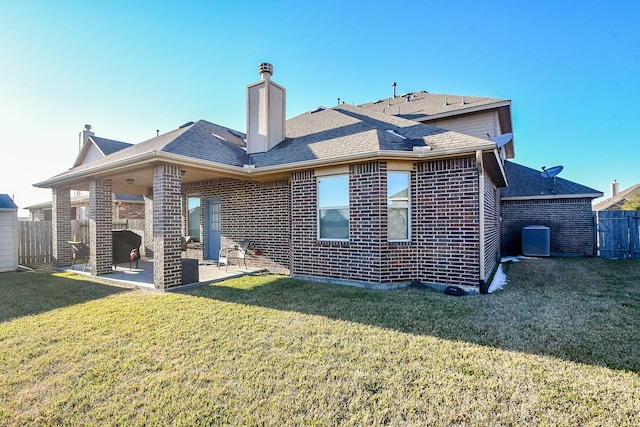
x=185 y=125
x=378 y=101
x=317 y=110
x=235 y=133
x=218 y=136
x=394 y=133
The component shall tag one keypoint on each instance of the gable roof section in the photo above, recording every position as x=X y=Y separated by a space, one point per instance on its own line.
x=526 y=183
x=428 y=106
x=109 y=146
x=343 y=131
x=621 y=197
x=200 y=140
x=103 y=145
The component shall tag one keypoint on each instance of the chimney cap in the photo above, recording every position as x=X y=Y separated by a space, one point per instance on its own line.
x=87 y=127
x=266 y=70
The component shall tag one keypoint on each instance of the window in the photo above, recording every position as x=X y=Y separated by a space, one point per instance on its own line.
x=193 y=217
x=398 y=218
x=333 y=207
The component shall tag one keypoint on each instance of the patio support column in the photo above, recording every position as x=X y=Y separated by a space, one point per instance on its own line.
x=167 y=257
x=148 y=223
x=100 y=226
x=61 y=226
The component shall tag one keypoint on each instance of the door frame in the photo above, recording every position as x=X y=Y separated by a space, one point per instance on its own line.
x=212 y=241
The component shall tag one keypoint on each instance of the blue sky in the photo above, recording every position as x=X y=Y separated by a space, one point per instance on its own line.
x=570 y=68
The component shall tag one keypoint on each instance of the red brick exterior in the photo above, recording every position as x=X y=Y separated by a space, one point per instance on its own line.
x=444 y=246
x=447 y=229
x=260 y=211
x=61 y=226
x=100 y=226
x=128 y=210
x=571 y=224
x=167 y=220
x=281 y=218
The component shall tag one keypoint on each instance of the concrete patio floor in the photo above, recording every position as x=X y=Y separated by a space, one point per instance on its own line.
x=142 y=277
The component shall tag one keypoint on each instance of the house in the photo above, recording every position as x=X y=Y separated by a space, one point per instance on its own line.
x=529 y=199
x=344 y=194
x=618 y=198
x=562 y=205
x=91 y=147
x=9 y=239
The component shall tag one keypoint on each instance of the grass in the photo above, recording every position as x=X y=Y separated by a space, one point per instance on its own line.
x=560 y=345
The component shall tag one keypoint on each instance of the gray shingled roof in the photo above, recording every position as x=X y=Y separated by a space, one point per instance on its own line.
x=6 y=202
x=109 y=146
x=527 y=182
x=200 y=140
x=423 y=104
x=347 y=130
x=325 y=134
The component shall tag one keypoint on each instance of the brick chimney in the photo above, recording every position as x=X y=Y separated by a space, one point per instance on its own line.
x=266 y=112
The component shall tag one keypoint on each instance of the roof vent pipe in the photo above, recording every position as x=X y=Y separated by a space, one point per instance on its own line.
x=393 y=85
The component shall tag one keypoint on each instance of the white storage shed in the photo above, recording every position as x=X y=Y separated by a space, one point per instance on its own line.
x=8 y=234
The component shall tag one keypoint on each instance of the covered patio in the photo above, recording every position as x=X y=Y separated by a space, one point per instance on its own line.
x=142 y=276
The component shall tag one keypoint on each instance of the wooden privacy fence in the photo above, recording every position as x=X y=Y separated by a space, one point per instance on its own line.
x=35 y=245
x=36 y=241
x=619 y=234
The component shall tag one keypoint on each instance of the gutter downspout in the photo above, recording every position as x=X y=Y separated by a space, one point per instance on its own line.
x=480 y=165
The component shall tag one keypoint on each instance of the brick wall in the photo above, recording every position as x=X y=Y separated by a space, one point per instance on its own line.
x=491 y=227
x=100 y=226
x=447 y=229
x=128 y=210
x=259 y=211
x=61 y=226
x=444 y=246
x=570 y=222
x=281 y=218
x=167 y=220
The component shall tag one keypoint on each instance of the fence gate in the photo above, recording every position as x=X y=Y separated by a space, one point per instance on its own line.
x=619 y=234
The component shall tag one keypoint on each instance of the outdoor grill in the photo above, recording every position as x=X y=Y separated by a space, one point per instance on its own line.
x=126 y=247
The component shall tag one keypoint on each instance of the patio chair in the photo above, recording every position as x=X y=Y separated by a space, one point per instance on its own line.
x=236 y=252
x=80 y=251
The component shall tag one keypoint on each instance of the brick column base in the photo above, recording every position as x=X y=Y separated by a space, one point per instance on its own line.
x=100 y=227
x=61 y=226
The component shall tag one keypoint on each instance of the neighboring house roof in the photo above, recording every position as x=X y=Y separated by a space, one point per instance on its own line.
x=6 y=202
x=618 y=199
x=96 y=146
x=422 y=105
x=84 y=199
x=527 y=183
x=109 y=146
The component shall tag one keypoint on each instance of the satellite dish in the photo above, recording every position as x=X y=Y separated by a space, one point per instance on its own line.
x=551 y=172
x=502 y=140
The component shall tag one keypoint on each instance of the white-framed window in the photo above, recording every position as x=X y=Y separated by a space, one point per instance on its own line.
x=333 y=207
x=398 y=202
x=193 y=217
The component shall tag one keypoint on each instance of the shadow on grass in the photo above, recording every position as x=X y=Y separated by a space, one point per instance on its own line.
x=582 y=310
x=42 y=290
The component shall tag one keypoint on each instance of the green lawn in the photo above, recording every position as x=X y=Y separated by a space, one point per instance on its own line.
x=560 y=345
